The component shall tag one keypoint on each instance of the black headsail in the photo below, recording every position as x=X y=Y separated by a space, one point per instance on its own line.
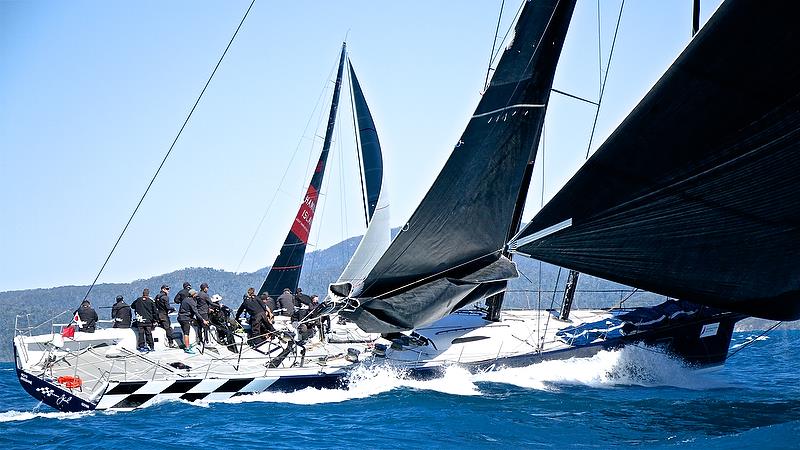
x=371 y=157
x=285 y=272
x=376 y=204
x=696 y=194
x=450 y=251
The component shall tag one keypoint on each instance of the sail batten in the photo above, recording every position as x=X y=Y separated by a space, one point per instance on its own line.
x=468 y=211
x=695 y=194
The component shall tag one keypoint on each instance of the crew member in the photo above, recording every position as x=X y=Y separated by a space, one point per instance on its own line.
x=269 y=302
x=186 y=313
x=121 y=313
x=259 y=322
x=183 y=293
x=301 y=300
x=88 y=317
x=286 y=303
x=164 y=309
x=146 y=316
x=203 y=305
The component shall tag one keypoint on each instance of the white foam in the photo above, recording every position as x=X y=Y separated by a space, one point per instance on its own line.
x=631 y=366
x=18 y=416
x=368 y=382
x=749 y=340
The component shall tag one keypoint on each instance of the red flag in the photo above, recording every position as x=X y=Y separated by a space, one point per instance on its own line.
x=68 y=332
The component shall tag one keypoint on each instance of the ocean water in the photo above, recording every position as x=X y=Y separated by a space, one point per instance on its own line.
x=632 y=397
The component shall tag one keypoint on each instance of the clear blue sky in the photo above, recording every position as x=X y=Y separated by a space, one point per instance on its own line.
x=93 y=92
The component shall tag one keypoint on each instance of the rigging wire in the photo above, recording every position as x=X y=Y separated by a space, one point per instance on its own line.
x=625 y=299
x=508 y=31
x=314 y=113
x=164 y=160
x=511 y=95
x=747 y=344
x=599 y=53
x=494 y=45
x=605 y=77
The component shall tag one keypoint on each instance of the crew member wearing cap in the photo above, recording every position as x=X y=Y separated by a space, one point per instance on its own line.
x=88 y=317
x=203 y=304
x=260 y=326
x=301 y=300
x=121 y=313
x=286 y=303
x=183 y=293
x=186 y=313
x=146 y=315
x=164 y=309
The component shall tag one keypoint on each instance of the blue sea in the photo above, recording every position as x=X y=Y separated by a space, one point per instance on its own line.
x=631 y=397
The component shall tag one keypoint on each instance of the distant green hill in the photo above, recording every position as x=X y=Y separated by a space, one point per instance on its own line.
x=35 y=306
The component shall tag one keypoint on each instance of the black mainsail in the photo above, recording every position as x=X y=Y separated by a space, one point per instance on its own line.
x=285 y=272
x=695 y=195
x=450 y=251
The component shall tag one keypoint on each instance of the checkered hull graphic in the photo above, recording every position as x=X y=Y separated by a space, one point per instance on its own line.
x=125 y=396
x=140 y=394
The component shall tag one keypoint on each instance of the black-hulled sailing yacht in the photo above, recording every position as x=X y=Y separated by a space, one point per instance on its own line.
x=692 y=197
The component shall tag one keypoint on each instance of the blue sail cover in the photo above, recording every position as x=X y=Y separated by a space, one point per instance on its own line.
x=636 y=321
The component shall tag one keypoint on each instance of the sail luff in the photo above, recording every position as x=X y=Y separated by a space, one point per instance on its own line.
x=359 y=155
x=285 y=272
x=450 y=250
x=370 y=146
x=378 y=235
x=694 y=195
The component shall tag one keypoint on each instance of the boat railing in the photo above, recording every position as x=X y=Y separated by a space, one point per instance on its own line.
x=28 y=329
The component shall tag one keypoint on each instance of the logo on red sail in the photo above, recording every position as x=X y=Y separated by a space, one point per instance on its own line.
x=302 y=223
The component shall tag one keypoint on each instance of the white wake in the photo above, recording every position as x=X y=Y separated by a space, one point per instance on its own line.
x=630 y=366
x=368 y=382
x=19 y=416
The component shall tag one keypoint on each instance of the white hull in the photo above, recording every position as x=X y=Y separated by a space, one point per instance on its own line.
x=115 y=376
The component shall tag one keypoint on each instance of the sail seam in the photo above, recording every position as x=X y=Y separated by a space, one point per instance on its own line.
x=521 y=105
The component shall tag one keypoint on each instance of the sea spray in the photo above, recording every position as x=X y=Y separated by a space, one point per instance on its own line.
x=16 y=416
x=630 y=366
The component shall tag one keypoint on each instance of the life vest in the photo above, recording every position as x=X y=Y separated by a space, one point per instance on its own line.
x=70 y=381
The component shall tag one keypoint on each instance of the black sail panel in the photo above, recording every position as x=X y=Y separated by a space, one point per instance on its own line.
x=695 y=195
x=285 y=272
x=461 y=225
x=370 y=146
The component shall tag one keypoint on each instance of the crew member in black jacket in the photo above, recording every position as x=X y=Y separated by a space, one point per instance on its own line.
x=121 y=313
x=164 y=309
x=203 y=304
x=146 y=316
x=183 y=293
x=259 y=317
x=88 y=316
x=286 y=303
x=186 y=313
